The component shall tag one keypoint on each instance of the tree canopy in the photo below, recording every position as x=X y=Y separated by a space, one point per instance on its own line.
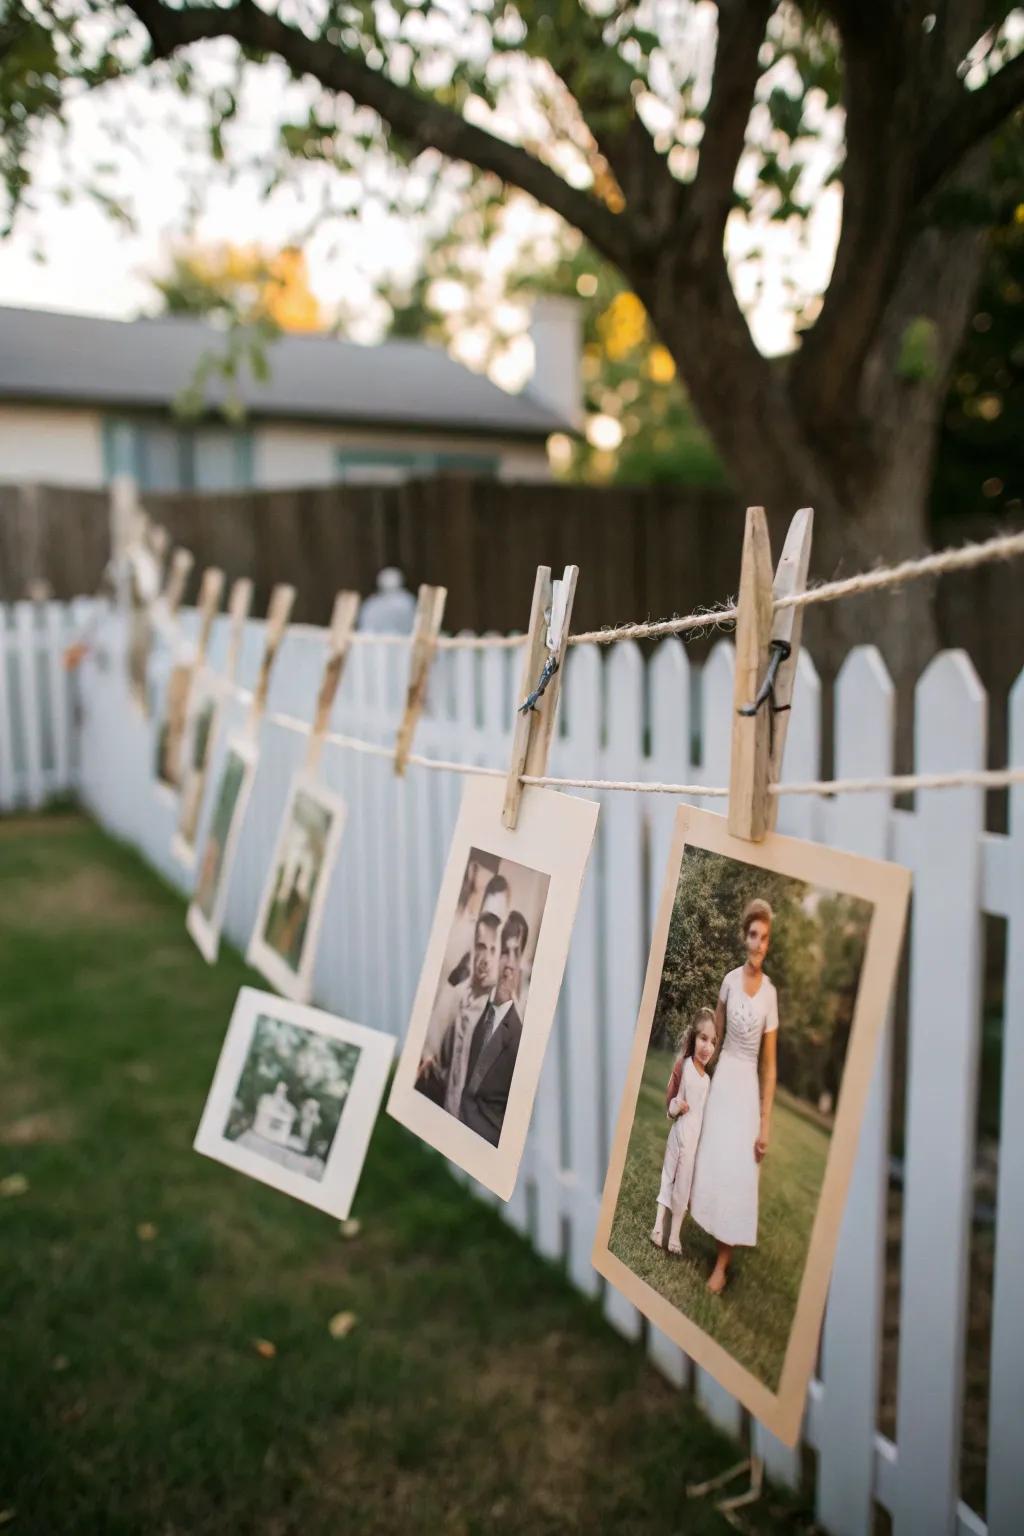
x=673 y=137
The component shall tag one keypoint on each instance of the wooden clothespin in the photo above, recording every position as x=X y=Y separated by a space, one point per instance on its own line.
x=343 y=622
x=430 y=603
x=239 y=604
x=540 y=682
x=278 y=611
x=767 y=647
x=177 y=578
x=211 y=588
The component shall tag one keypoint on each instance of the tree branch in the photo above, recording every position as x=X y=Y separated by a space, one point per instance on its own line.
x=741 y=29
x=421 y=121
x=976 y=115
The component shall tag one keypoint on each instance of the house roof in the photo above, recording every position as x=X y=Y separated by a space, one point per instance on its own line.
x=62 y=358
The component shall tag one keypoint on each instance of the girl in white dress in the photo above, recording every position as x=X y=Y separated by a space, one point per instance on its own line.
x=685 y=1098
x=737 y=1121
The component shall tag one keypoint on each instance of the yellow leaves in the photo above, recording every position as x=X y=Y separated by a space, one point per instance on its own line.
x=272 y=285
x=14 y=1184
x=287 y=296
x=623 y=326
x=341 y=1324
x=661 y=368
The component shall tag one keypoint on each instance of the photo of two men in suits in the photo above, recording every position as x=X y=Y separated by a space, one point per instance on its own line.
x=476 y=1024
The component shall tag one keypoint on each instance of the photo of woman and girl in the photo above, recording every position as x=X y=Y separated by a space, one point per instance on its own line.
x=718 y=1139
x=752 y=1086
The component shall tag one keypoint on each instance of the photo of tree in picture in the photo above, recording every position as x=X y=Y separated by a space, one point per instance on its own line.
x=290 y=1095
x=296 y=878
x=731 y=1131
x=231 y=780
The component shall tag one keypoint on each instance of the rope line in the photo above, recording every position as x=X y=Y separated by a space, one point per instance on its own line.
x=899 y=783
x=1007 y=546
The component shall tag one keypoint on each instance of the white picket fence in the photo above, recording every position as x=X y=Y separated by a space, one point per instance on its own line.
x=626 y=719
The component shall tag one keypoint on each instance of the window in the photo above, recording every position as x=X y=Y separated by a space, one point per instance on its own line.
x=390 y=466
x=165 y=456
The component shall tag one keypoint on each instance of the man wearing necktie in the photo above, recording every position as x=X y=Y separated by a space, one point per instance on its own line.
x=495 y=1043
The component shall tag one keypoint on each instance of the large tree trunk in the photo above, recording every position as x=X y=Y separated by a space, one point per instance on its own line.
x=866 y=469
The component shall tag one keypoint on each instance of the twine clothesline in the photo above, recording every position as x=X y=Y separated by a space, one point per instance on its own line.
x=1007 y=546
x=900 y=783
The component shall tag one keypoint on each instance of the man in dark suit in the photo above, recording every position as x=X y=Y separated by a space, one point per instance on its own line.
x=495 y=1043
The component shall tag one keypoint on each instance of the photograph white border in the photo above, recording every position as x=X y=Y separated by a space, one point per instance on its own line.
x=335 y=1191
x=298 y=983
x=887 y=887
x=554 y=836
x=206 y=931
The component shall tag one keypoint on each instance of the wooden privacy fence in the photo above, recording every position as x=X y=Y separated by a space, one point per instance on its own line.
x=886 y=1431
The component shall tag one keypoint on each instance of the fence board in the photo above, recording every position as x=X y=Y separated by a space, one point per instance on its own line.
x=8 y=725
x=1006 y=1402
x=865 y=723
x=942 y=1083
x=25 y=650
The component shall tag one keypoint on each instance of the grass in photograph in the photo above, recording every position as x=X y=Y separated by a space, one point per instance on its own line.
x=752 y=1318
x=167 y=1363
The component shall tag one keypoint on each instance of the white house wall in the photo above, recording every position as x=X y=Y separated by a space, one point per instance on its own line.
x=287 y=455
x=42 y=443
x=64 y=446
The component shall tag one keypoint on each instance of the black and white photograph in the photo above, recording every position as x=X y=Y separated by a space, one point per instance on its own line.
x=284 y=940
x=476 y=1023
x=769 y=977
x=294 y=1098
x=490 y=980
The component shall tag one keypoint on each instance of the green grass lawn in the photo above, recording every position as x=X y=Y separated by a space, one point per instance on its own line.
x=752 y=1318
x=165 y=1361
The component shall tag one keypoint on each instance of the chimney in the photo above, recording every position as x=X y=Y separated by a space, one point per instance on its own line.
x=555 y=330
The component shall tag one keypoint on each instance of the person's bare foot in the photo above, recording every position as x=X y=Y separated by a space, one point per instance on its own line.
x=716 y=1281
x=657 y=1236
x=675 y=1246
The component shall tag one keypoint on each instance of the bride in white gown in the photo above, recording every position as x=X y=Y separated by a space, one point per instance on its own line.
x=737 y=1118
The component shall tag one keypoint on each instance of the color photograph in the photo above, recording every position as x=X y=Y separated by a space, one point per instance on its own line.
x=206 y=911
x=284 y=940
x=200 y=734
x=171 y=730
x=294 y=1098
x=760 y=996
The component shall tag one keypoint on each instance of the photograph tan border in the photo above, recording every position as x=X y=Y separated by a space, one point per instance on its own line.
x=887 y=887
x=554 y=836
x=335 y=1191
x=298 y=984
x=206 y=687
x=206 y=931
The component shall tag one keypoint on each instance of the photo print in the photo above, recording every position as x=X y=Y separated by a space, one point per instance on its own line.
x=294 y=1099
x=209 y=899
x=284 y=940
x=170 y=735
x=200 y=734
x=486 y=999
x=768 y=985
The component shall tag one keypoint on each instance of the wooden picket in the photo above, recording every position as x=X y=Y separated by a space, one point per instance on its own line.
x=627 y=717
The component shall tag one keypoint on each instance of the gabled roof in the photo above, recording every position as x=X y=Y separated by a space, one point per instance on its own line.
x=62 y=358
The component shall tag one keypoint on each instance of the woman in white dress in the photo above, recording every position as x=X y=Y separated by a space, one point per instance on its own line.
x=737 y=1119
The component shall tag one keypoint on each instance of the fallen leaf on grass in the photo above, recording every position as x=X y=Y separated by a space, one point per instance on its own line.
x=146 y=1231
x=14 y=1184
x=350 y=1228
x=59 y=1363
x=341 y=1324
x=7 y=1515
x=265 y=1348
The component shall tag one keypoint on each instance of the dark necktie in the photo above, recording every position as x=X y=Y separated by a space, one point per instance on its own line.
x=481 y=1035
